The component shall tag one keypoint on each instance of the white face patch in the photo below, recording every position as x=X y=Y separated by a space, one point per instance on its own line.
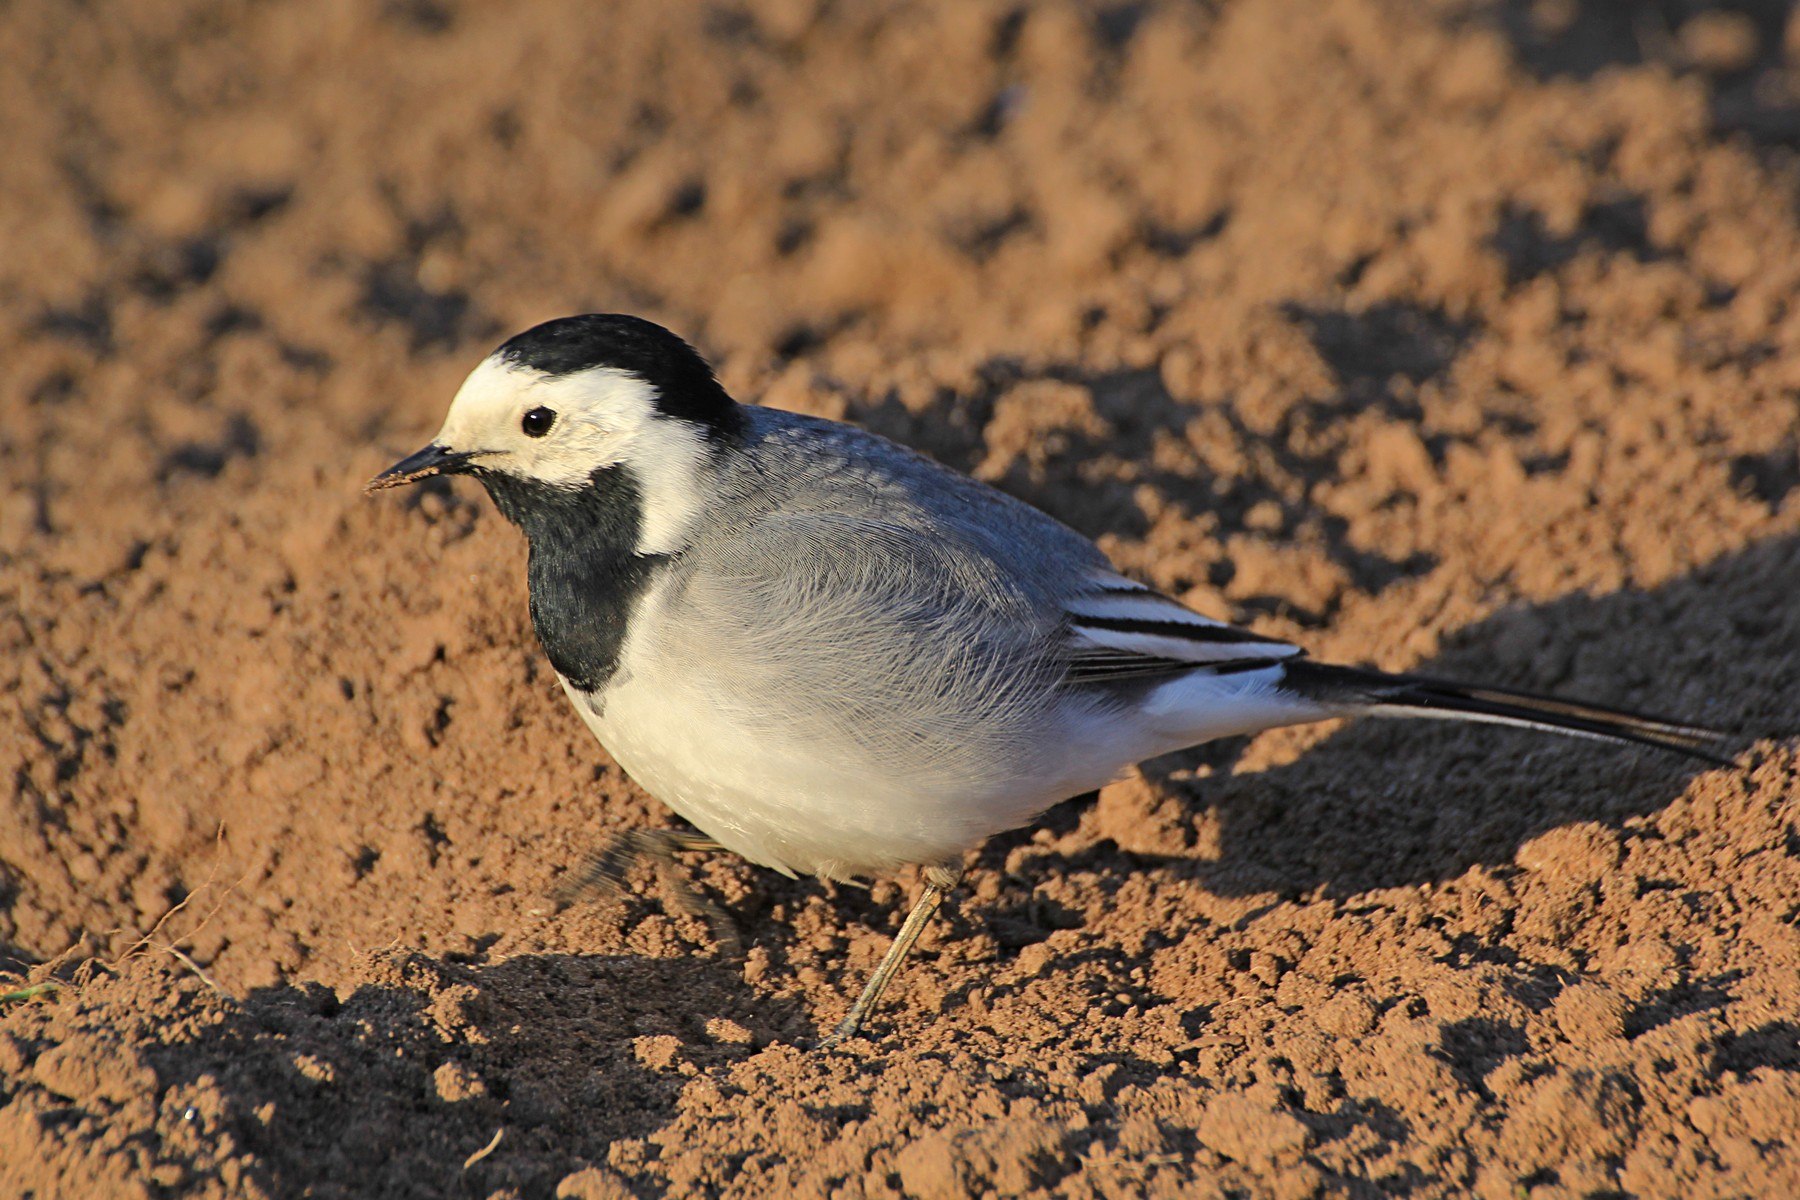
x=601 y=417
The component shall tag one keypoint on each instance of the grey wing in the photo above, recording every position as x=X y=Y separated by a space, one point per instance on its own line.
x=913 y=633
x=886 y=632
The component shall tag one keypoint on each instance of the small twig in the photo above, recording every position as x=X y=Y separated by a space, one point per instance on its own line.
x=195 y=967
x=147 y=939
x=485 y=1150
x=138 y=946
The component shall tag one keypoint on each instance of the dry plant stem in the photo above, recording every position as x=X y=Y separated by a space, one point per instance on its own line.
x=938 y=882
x=605 y=873
x=486 y=1150
x=148 y=940
x=200 y=972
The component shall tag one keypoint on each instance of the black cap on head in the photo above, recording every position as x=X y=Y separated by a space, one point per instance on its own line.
x=683 y=381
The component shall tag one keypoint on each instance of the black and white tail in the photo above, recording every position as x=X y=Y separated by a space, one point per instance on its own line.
x=1230 y=680
x=1354 y=691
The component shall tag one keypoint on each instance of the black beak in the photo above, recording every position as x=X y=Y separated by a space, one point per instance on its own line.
x=432 y=460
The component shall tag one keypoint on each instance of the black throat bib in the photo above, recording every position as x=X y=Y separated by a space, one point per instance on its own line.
x=585 y=575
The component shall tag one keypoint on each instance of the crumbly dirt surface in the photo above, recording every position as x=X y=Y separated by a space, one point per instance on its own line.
x=1452 y=336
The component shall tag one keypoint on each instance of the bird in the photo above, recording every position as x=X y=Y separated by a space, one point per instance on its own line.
x=834 y=656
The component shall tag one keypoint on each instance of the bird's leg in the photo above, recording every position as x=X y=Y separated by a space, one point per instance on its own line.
x=606 y=870
x=938 y=882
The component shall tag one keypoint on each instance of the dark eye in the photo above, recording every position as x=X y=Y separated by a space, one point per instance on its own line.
x=537 y=422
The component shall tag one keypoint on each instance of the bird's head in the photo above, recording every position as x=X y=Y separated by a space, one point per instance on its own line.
x=580 y=403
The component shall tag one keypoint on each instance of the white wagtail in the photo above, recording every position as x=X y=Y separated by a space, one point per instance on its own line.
x=834 y=656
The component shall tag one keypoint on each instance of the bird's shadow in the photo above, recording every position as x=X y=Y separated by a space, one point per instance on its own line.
x=394 y=1088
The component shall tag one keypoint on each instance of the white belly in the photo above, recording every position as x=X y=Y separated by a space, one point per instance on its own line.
x=791 y=805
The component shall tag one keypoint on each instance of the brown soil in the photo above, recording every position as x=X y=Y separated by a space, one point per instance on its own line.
x=1448 y=335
